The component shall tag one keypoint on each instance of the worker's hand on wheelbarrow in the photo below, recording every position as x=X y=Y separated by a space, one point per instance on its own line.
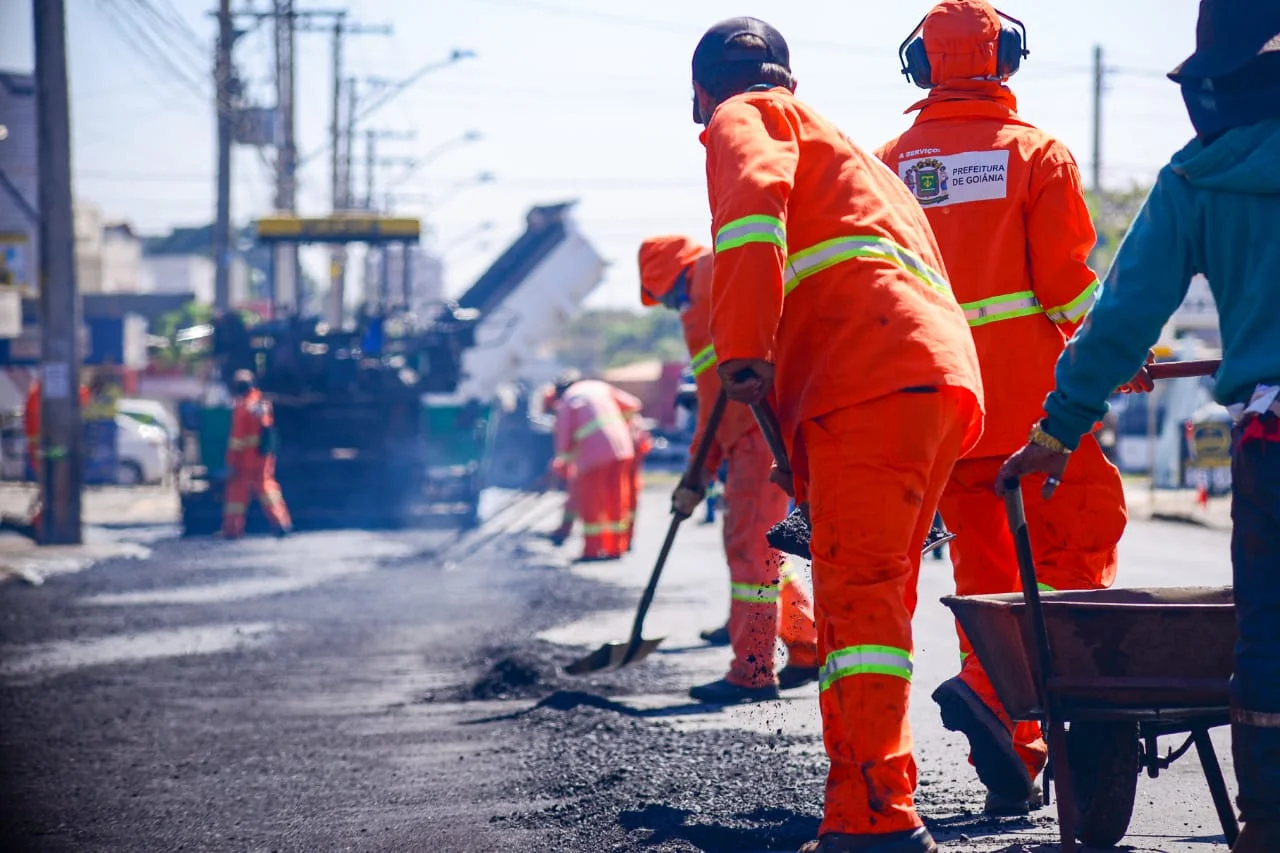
x=1043 y=454
x=687 y=496
x=1141 y=383
x=746 y=380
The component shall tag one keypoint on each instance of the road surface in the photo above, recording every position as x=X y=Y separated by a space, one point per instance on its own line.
x=355 y=691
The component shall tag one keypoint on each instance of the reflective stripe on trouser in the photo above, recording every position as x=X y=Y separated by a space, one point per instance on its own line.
x=756 y=621
x=875 y=473
x=1255 y=686
x=1074 y=539
x=598 y=496
x=243 y=488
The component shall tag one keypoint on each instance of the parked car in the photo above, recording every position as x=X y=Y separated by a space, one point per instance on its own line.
x=143 y=453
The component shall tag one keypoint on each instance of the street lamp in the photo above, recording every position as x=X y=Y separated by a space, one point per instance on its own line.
x=434 y=154
x=395 y=88
x=458 y=187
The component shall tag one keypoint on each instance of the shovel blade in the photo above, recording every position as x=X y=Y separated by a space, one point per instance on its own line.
x=612 y=656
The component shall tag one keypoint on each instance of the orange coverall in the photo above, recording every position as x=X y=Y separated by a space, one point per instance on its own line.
x=767 y=599
x=595 y=453
x=251 y=472
x=643 y=443
x=826 y=267
x=1008 y=210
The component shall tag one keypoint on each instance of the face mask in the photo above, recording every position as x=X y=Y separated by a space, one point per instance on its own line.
x=240 y=389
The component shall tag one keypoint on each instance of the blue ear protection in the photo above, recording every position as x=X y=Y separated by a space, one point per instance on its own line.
x=1011 y=49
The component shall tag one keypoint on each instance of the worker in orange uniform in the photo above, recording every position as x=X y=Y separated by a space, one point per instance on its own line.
x=31 y=421
x=829 y=303
x=766 y=597
x=1008 y=210
x=251 y=463
x=595 y=454
x=642 y=442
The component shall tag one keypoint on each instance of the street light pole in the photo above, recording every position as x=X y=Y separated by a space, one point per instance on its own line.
x=61 y=461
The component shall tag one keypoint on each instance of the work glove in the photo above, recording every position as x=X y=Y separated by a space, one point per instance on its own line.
x=783 y=481
x=746 y=380
x=1141 y=383
x=687 y=496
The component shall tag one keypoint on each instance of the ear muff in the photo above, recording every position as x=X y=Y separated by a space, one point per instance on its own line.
x=915 y=60
x=1011 y=49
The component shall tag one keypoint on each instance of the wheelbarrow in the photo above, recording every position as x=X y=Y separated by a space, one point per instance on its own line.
x=1124 y=667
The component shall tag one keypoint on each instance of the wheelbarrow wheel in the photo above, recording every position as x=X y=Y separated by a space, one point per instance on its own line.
x=1105 y=762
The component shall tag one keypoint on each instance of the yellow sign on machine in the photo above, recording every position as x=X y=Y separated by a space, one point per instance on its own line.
x=354 y=228
x=1211 y=444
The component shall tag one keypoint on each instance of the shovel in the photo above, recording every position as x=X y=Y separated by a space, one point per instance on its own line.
x=617 y=655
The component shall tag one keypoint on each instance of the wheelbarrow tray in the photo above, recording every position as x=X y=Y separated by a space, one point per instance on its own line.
x=1147 y=653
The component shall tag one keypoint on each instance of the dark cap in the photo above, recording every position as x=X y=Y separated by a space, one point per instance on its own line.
x=714 y=50
x=1229 y=35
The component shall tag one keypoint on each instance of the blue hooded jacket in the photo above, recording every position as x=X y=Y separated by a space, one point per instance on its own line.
x=1214 y=210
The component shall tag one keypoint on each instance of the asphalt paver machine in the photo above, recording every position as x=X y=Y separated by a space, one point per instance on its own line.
x=352 y=433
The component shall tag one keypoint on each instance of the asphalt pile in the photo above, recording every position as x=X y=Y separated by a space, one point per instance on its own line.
x=792 y=535
x=622 y=779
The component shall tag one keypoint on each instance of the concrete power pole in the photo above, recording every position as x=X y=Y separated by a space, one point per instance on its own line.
x=222 y=219
x=286 y=261
x=341 y=160
x=1098 y=73
x=61 y=459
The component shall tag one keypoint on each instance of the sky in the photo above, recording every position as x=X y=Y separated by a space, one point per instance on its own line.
x=573 y=99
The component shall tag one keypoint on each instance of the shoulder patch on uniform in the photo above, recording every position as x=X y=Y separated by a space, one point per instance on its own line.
x=940 y=181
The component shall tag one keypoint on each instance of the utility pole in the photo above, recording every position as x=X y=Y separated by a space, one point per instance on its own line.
x=1098 y=73
x=222 y=218
x=61 y=462
x=340 y=199
x=338 y=255
x=286 y=265
x=370 y=166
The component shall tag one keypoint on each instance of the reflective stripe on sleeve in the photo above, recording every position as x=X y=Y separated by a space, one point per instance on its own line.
x=751 y=229
x=827 y=254
x=1075 y=310
x=997 y=308
x=866 y=660
x=594 y=426
x=704 y=360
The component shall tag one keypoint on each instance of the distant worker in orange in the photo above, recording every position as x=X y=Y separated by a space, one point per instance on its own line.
x=829 y=303
x=767 y=599
x=1008 y=210
x=251 y=461
x=642 y=441
x=595 y=455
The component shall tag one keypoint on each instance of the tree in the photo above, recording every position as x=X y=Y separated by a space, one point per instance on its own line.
x=601 y=339
x=1113 y=211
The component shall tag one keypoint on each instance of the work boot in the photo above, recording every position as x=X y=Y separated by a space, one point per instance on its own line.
x=909 y=841
x=559 y=535
x=990 y=740
x=598 y=558
x=725 y=692
x=792 y=676
x=716 y=636
x=998 y=806
x=1258 y=836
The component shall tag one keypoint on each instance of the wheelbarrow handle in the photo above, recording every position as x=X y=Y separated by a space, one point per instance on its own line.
x=1016 y=511
x=1183 y=369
